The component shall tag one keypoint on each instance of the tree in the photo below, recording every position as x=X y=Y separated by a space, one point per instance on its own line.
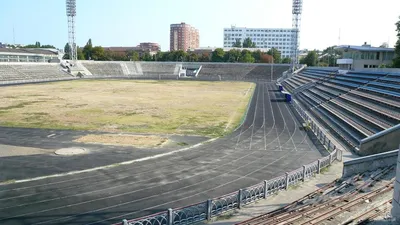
x=257 y=56
x=396 y=60
x=146 y=57
x=159 y=56
x=179 y=55
x=247 y=43
x=311 y=59
x=87 y=50
x=134 y=56
x=232 y=56
x=286 y=60
x=205 y=57
x=193 y=57
x=246 y=57
x=47 y=46
x=330 y=55
x=237 y=44
x=37 y=45
x=79 y=54
x=265 y=58
x=275 y=54
x=67 y=51
x=218 y=55
x=98 y=53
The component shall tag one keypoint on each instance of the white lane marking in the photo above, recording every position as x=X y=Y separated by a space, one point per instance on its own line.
x=112 y=165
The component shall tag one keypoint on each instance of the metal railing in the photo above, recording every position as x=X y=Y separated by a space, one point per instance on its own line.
x=324 y=140
x=216 y=206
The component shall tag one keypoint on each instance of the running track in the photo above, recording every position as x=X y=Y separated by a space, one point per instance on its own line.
x=268 y=144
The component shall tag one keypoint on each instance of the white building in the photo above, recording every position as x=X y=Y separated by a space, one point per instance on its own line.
x=278 y=38
x=30 y=55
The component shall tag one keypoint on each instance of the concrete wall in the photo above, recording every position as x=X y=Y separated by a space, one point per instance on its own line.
x=369 y=163
x=384 y=141
x=358 y=64
x=396 y=193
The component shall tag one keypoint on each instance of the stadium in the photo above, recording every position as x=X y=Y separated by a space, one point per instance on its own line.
x=171 y=143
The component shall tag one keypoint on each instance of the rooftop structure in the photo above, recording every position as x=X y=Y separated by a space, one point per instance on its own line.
x=364 y=56
x=29 y=55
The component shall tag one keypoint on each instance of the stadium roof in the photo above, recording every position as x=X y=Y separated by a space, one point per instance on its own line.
x=365 y=48
x=43 y=51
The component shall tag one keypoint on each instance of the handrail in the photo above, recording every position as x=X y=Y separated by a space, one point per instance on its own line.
x=213 y=207
x=380 y=134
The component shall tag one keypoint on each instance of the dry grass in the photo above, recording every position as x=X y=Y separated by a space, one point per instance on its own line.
x=140 y=141
x=180 y=107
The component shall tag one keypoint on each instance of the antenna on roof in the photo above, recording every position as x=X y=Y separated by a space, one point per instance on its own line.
x=339 y=38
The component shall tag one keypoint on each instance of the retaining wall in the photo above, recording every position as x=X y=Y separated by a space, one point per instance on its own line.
x=369 y=163
x=384 y=141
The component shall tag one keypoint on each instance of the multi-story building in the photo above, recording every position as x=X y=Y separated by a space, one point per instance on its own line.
x=145 y=47
x=278 y=38
x=363 y=57
x=183 y=37
x=149 y=47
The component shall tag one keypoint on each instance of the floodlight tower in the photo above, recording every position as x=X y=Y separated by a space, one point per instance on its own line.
x=297 y=8
x=71 y=14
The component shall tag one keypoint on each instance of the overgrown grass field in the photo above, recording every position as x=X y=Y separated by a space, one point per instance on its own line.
x=159 y=107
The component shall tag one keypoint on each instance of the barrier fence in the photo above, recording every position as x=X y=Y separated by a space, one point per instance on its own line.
x=324 y=140
x=235 y=200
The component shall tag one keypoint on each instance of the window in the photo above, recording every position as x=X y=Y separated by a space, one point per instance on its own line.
x=365 y=66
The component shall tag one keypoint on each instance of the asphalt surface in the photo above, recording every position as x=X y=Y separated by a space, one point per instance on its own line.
x=29 y=166
x=268 y=144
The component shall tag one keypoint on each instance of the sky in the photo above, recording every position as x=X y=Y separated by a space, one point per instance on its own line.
x=129 y=22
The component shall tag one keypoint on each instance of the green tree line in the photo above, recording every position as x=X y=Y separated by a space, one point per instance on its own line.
x=90 y=52
x=38 y=45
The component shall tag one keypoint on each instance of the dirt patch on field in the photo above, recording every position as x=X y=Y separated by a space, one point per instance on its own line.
x=157 y=107
x=139 y=141
x=8 y=151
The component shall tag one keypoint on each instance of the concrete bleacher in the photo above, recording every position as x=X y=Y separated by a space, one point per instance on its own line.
x=107 y=69
x=263 y=72
x=170 y=70
x=353 y=106
x=157 y=68
x=31 y=71
x=134 y=68
x=235 y=71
